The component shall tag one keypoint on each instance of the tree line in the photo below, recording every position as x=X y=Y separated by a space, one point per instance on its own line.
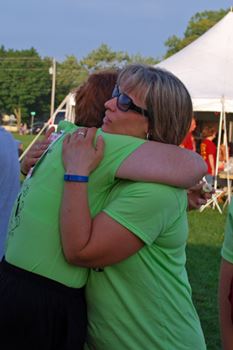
x=25 y=81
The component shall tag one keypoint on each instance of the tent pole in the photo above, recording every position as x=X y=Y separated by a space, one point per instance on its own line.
x=44 y=127
x=227 y=155
x=218 y=148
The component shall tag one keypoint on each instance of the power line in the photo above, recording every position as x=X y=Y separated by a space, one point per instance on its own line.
x=28 y=68
x=23 y=69
x=23 y=58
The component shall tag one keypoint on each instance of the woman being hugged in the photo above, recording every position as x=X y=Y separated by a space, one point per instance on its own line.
x=138 y=293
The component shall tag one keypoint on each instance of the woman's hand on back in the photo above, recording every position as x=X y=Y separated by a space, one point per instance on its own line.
x=81 y=155
x=198 y=195
x=36 y=151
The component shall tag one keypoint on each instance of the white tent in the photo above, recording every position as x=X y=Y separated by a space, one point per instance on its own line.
x=206 y=68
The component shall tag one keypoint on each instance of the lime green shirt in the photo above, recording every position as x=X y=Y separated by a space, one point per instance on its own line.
x=34 y=237
x=227 y=248
x=144 y=302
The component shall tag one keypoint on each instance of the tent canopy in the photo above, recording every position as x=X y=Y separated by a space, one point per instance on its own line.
x=206 y=67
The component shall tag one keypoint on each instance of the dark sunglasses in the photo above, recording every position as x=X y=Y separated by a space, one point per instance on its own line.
x=124 y=102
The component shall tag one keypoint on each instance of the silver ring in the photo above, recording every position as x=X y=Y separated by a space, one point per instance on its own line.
x=81 y=133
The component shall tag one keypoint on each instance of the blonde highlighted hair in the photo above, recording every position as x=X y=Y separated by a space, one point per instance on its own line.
x=167 y=101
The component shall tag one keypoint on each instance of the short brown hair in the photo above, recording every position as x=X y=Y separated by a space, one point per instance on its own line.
x=167 y=100
x=91 y=97
x=208 y=130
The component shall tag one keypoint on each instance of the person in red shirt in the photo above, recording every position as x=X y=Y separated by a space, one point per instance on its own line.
x=208 y=151
x=189 y=141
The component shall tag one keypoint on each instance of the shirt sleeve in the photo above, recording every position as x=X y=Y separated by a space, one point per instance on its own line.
x=146 y=209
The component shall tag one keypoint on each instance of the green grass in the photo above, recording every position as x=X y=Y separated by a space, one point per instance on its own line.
x=25 y=139
x=203 y=261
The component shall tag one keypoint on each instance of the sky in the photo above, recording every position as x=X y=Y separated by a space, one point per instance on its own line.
x=60 y=28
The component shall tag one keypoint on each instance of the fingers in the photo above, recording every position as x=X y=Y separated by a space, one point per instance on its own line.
x=200 y=202
x=85 y=136
x=48 y=133
x=38 y=149
x=100 y=146
x=81 y=132
x=33 y=155
x=66 y=139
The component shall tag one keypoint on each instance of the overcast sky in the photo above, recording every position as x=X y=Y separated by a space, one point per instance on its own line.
x=58 y=28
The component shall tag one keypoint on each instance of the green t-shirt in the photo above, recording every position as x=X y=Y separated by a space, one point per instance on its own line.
x=144 y=302
x=227 y=248
x=33 y=237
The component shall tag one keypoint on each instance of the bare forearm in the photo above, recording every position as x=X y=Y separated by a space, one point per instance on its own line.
x=75 y=222
x=226 y=326
x=211 y=161
x=163 y=163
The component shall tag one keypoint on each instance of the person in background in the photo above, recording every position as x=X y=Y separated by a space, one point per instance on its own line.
x=138 y=293
x=208 y=151
x=189 y=140
x=224 y=154
x=9 y=181
x=47 y=307
x=225 y=293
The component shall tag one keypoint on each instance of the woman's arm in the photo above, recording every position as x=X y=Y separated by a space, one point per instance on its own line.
x=87 y=242
x=211 y=161
x=225 y=307
x=163 y=163
x=93 y=243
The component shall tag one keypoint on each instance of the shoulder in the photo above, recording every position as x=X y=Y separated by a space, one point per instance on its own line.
x=5 y=135
x=66 y=126
x=119 y=140
x=118 y=148
x=146 y=209
x=7 y=142
x=151 y=194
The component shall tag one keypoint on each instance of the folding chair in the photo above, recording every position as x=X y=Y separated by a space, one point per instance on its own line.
x=213 y=201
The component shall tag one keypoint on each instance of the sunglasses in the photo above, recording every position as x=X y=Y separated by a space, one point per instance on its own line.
x=124 y=102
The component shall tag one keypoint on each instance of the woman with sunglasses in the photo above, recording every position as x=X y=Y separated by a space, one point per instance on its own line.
x=138 y=293
x=35 y=279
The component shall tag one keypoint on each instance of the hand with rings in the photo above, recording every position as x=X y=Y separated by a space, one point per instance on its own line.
x=81 y=133
x=80 y=153
x=35 y=152
x=198 y=195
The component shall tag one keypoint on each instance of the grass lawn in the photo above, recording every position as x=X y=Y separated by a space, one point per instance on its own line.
x=203 y=260
x=25 y=139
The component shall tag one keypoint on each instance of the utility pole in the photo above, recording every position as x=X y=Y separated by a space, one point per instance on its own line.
x=52 y=71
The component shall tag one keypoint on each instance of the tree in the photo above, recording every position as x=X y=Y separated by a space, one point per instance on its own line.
x=140 y=59
x=70 y=74
x=198 y=25
x=24 y=82
x=104 y=57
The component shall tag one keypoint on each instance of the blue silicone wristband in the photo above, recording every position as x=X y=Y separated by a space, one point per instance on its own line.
x=75 y=178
